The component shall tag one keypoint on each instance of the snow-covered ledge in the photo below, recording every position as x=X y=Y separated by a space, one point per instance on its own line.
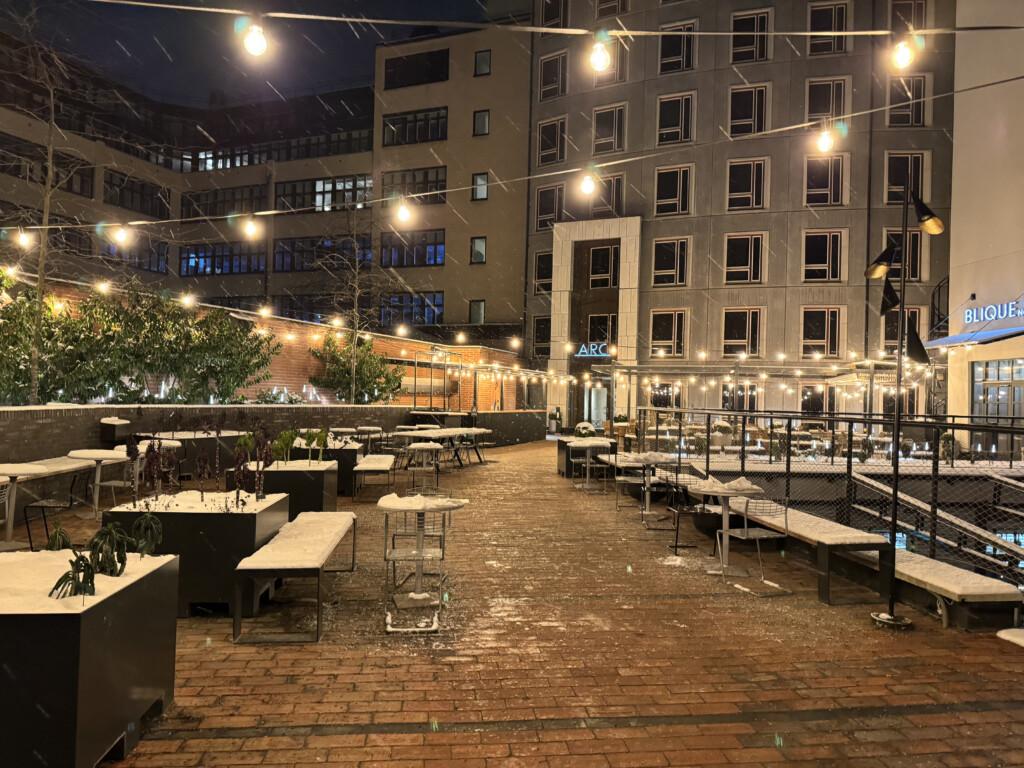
x=214 y=502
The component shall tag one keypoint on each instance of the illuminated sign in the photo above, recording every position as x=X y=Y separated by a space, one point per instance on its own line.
x=593 y=350
x=992 y=312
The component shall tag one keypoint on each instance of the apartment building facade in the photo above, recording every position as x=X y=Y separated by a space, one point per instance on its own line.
x=720 y=256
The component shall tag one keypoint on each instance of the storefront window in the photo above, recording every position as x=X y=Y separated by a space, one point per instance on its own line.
x=998 y=388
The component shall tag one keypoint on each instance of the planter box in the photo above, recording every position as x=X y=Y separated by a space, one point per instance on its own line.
x=310 y=487
x=210 y=541
x=347 y=459
x=85 y=674
x=564 y=464
x=114 y=434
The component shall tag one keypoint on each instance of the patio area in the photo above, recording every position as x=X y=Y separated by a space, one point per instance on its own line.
x=573 y=637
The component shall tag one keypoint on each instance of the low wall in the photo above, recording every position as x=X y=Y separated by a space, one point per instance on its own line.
x=43 y=432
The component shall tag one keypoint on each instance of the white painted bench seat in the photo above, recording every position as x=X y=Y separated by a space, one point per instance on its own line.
x=301 y=548
x=372 y=464
x=813 y=529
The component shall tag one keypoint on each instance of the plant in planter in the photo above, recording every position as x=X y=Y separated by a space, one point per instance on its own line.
x=151 y=467
x=261 y=469
x=242 y=472
x=131 y=450
x=80 y=580
x=554 y=422
x=218 y=428
x=321 y=442
x=906 y=447
x=59 y=539
x=947 y=447
x=286 y=439
x=147 y=532
x=168 y=465
x=721 y=434
x=621 y=418
x=108 y=550
x=584 y=429
x=246 y=443
x=202 y=471
x=699 y=445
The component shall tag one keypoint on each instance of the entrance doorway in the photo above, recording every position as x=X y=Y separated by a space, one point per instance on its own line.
x=595 y=405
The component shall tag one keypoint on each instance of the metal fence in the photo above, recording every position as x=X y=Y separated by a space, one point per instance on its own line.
x=961 y=481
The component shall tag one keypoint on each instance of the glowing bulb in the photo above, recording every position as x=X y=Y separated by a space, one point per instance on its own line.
x=404 y=214
x=58 y=306
x=264 y=312
x=103 y=287
x=187 y=300
x=902 y=55
x=461 y=338
x=402 y=330
x=613 y=350
x=600 y=58
x=336 y=322
x=12 y=271
x=568 y=346
x=515 y=343
x=825 y=141
x=251 y=228
x=255 y=41
x=587 y=185
x=290 y=337
x=121 y=235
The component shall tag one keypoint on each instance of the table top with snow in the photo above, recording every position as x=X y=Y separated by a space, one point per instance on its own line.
x=114 y=420
x=590 y=442
x=332 y=444
x=375 y=462
x=298 y=465
x=395 y=503
x=424 y=446
x=640 y=459
x=28 y=578
x=189 y=502
x=24 y=470
x=343 y=430
x=305 y=542
x=194 y=434
x=437 y=433
x=99 y=454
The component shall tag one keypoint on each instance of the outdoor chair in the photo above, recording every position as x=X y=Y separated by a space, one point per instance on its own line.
x=81 y=480
x=758 y=508
x=124 y=484
x=401 y=532
x=624 y=479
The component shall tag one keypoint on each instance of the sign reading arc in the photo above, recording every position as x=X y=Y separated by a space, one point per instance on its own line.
x=593 y=349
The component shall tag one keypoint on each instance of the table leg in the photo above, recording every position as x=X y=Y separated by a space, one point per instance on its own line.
x=725 y=569
x=96 y=490
x=9 y=542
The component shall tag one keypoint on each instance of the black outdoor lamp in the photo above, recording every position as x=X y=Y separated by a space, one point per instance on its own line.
x=909 y=345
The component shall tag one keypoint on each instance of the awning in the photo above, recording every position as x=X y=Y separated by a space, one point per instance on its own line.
x=976 y=337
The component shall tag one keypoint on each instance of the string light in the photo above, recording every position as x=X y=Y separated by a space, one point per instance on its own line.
x=402 y=330
x=461 y=338
x=24 y=240
x=251 y=228
x=587 y=186
x=120 y=235
x=103 y=287
x=264 y=312
x=187 y=300
x=902 y=55
x=600 y=58
x=255 y=41
x=403 y=214
x=825 y=141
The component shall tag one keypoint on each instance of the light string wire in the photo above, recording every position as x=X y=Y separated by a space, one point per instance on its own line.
x=529 y=29
x=198 y=220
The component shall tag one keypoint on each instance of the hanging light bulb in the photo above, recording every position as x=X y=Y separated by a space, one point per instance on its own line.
x=902 y=55
x=121 y=235
x=587 y=185
x=24 y=240
x=600 y=58
x=251 y=228
x=402 y=330
x=461 y=338
x=255 y=41
x=403 y=214
x=825 y=141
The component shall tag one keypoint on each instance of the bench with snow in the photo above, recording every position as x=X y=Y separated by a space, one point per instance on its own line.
x=827 y=538
x=300 y=549
x=962 y=598
x=373 y=464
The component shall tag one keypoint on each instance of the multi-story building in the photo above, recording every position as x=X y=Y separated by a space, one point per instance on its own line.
x=721 y=254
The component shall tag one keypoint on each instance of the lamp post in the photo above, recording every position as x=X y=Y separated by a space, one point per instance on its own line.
x=879 y=268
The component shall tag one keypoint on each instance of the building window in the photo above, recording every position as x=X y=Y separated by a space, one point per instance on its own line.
x=542 y=336
x=675 y=119
x=225 y=202
x=607 y=8
x=551 y=142
x=678 y=48
x=820 y=332
x=481 y=63
x=543 y=270
x=824 y=18
x=427 y=185
x=416 y=69
x=616 y=71
x=670 y=257
x=748 y=110
x=906 y=101
x=750 y=41
x=816 y=398
x=603 y=329
x=149 y=257
x=549 y=206
x=672 y=191
x=741 y=331
x=416 y=127
x=222 y=259
x=896 y=164
x=482 y=122
x=826 y=99
x=823 y=254
x=423 y=248
x=668 y=333
x=893 y=238
x=824 y=180
x=554 y=13
x=139 y=196
x=301 y=254
x=476 y=311
x=426 y=308
x=607 y=197
x=478 y=250
x=323 y=194
x=479 y=190
x=908 y=15
x=891 y=328
x=604 y=266
x=739 y=397
x=553 y=70
x=609 y=129
x=743 y=258
x=747 y=182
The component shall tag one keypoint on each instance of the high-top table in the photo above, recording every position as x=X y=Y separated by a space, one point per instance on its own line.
x=100 y=457
x=15 y=472
x=724 y=493
x=589 y=445
x=424 y=452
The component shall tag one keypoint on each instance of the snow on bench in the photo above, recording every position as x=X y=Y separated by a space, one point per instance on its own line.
x=813 y=529
x=375 y=462
x=300 y=549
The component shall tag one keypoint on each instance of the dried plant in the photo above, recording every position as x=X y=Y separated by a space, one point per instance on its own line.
x=241 y=471
x=148 y=532
x=151 y=468
x=131 y=449
x=59 y=539
x=108 y=550
x=202 y=471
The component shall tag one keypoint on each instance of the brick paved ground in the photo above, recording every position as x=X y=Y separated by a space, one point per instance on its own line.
x=573 y=639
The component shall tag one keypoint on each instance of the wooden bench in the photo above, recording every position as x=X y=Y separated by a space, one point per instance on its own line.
x=373 y=464
x=827 y=538
x=300 y=549
x=963 y=598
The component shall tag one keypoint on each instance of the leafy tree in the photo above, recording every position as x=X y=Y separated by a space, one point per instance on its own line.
x=367 y=373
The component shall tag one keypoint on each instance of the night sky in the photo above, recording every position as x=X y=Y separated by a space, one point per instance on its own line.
x=182 y=56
